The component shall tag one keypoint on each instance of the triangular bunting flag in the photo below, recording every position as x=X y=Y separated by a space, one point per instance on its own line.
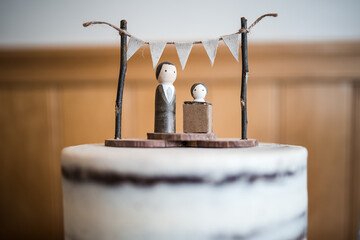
x=134 y=45
x=183 y=49
x=211 y=48
x=232 y=42
x=156 y=49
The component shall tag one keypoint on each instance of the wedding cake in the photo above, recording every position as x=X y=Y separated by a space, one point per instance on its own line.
x=185 y=193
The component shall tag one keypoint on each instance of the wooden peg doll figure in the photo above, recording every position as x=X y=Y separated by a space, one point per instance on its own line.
x=165 y=98
x=198 y=92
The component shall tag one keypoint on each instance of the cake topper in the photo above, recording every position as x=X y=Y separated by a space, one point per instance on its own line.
x=165 y=108
x=165 y=98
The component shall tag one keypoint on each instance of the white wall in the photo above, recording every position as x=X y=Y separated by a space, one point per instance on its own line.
x=59 y=22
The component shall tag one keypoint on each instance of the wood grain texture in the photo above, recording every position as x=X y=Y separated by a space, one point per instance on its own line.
x=142 y=143
x=308 y=118
x=322 y=61
x=224 y=143
x=297 y=93
x=30 y=182
x=182 y=136
x=181 y=140
x=226 y=109
x=88 y=113
x=264 y=111
x=144 y=108
x=355 y=169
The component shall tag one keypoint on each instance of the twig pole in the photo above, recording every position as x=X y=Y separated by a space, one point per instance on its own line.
x=122 y=73
x=244 y=78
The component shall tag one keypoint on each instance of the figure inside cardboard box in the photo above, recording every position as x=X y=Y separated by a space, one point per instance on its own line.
x=198 y=92
x=197 y=114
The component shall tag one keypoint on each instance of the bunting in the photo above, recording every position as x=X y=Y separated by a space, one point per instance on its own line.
x=183 y=49
x=134 y=45
x=156 y=49
x=232 y=42
x=211 y=48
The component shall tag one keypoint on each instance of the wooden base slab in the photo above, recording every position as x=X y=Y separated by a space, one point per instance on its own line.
x=160 y=143
x=182 y=136
x=142 y=143
x=223 y=143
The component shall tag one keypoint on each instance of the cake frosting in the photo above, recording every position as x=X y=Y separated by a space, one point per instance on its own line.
x=185 y=193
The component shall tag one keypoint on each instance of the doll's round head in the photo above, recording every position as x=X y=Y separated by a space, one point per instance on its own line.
x=166 y=73
x=198 y=92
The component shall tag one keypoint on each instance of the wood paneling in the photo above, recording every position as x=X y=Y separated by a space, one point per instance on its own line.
x=87 y=113
x=144 y=109
x=264 y=124
x=287 y=61
x=31 y=200
x=355 y=167
x=306 y=94
x=324 y=109
x=226 y=105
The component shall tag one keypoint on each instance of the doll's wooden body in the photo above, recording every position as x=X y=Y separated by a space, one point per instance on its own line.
x=165 y=99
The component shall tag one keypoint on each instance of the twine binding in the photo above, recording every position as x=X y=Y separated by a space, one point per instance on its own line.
x=241 y=30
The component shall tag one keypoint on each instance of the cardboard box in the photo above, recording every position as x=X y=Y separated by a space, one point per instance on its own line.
x=197 y=117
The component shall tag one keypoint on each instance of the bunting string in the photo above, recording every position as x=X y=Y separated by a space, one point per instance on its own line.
x=184 y=48
x=241 y=30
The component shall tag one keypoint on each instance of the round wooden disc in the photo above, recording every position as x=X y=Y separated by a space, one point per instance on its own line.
x=141 y=143
x=224 y=143
x=182 y=136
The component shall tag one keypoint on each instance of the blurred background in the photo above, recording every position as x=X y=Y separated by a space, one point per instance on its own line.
x=58 y=85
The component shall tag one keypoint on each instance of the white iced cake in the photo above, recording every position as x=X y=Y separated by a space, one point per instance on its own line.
x=185 y=193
